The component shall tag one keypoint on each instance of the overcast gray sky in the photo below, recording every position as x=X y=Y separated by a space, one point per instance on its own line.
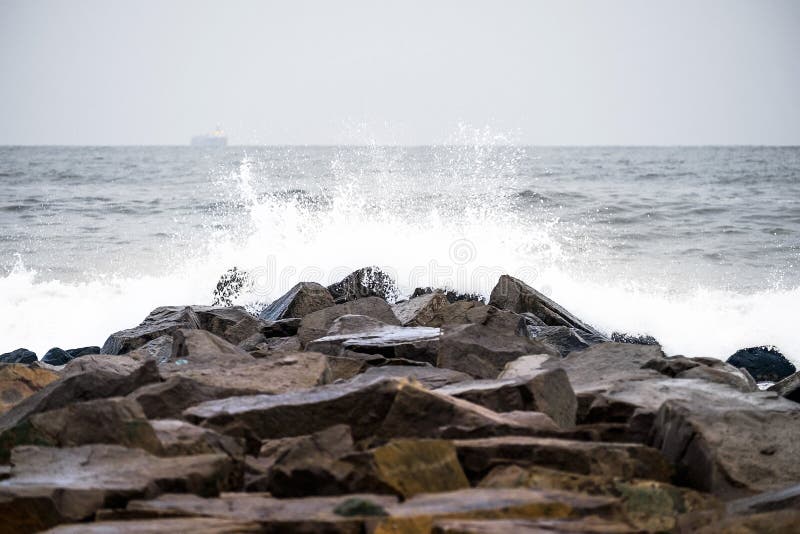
x=302 y=72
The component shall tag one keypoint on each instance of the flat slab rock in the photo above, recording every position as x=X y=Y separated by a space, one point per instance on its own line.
x=430 y=377
x=315 y=325
x=48 y=486
x=195 y=525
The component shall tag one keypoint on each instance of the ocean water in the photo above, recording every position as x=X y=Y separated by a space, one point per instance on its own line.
x=699 y=247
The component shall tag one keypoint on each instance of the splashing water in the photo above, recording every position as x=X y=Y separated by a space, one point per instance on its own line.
x=455 y=216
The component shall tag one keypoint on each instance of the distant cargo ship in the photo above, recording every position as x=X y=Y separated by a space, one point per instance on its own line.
x=215 y=138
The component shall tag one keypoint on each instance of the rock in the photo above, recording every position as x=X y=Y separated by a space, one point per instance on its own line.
x=278 y=374
x=359 y=333
x=83 y=351
x=107 y=363
x=563 y=338
x=394 y=409
x=94 y=384
x=233 y=324
x=115 y=421
x=420 y=311
x=524 y=366
x=195 y=525
x=781 y=499
x=275 y=346
x=724 y=442
x=365 y=282
x=517 y=296
x=18 y=356
x=419 y=513
x=50 y=486
x=158 y=349
x=586 y=525
x=779 y=522
x=627 y=460
x=452 y=296
x=307 y=515
x=195 y=348
x=549 y=392
x=303 y=299
x=714 y=370
x=788 y=388
x=161 y=321
x=636 y=339
x=482 y=351
x=430 y=377
x=281 y=328
x=345 y=368
x=56 y=356
x=648 y=505
x=453 y=313
x=18 y=381
x=179 y=438
x=316 y=325
x=167 y=400
x=765 y=364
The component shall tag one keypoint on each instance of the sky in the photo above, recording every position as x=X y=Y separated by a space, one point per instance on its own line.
x=639 y=72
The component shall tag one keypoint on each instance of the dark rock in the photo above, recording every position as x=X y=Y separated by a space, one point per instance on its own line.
x=50 y=486
x=93 y=384
x=83 y=351
x=788 y=388
x=365 y=282
x=230 y=286
x=419 y=311
x=282 y=327
x=161 y=321
x=200 y=348
x=56 y=356
x=636 y=339
x=452 y=296
x=563 y=338
x=765 y=364
x=517 y=296
x=233 y=324
x=316 y=325
x=359 y=333
x=167 y=400
x=18 y=356
x=430 y=377
x=114 y=421
x=549 y=392
x=781 y=499
x=482 y=351
x=303 y=299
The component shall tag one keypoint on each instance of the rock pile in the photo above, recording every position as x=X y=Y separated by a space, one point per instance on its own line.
x=338 y=411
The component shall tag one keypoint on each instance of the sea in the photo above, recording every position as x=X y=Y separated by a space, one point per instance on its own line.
x=696 y=246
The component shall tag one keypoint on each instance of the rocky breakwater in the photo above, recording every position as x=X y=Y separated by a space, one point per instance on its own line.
x=336 y=410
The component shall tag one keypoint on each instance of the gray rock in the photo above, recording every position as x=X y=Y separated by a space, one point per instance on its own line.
x=18 y=356
x=161 y=321
x=563 y=338
x=303 y=299
x=56 y=356
x=365 y=282
x=167 y=400
x=430 y=377
x=420 y=311
x=317 y=324
x=788 y=388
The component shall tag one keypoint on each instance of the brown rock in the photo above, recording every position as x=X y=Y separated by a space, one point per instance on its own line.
x=195 y=525
x=315 y=325
x=430 y=377
x=627 y=460
x=18 y=381
x=50 y=486
x=117 y=421
x=517 y=296
x=232 y=323
x=179 y=438
x=193 y=348
x=419 y=513
x=167 y=400
x=303 y=299
x=161 y=321
x=420 y=311
x=276 y=345
x=482 y=351
x=548 y=392
x=777 y=522
x=412 y=467
x=345 y=368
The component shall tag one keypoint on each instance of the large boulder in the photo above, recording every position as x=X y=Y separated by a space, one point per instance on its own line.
x=18 y=356
x=765 y=364
x=93 y=384
x=430 y=377
x=304 y=298
x=116 y=421
x=56 y=356
x=18 y=381
x=365 y=282
x=517 y=296
x=316 y=325
x=179 y=438
x=549 y=392
x=482 y=351
x=48 y=486
x=420 y=311
x=362 y=334
x=788 y=388
x=161 y=321
x=83 y=351
x=627 y=460
x=233 y=324
x=167 y=400
x=563 y=338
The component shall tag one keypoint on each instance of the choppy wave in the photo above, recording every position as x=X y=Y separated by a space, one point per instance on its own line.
x=447 y=229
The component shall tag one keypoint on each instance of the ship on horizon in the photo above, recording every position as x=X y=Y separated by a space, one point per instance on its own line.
x=215 y=138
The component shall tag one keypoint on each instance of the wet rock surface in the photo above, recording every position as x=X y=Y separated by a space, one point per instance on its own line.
x=346 y=411
x=765 y=364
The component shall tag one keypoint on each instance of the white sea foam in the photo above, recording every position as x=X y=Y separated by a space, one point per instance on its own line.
x=465 y=245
